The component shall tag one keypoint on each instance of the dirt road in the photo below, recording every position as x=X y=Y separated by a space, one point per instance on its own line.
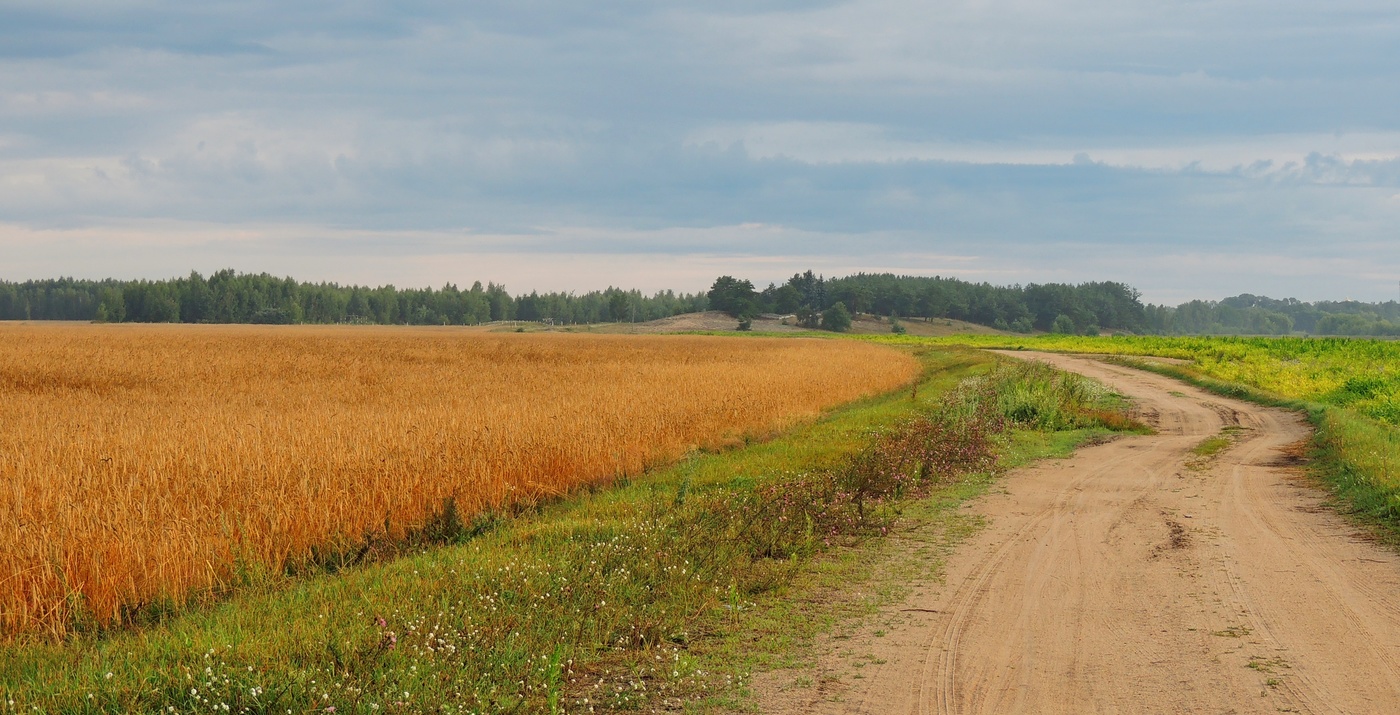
x=1128 y=579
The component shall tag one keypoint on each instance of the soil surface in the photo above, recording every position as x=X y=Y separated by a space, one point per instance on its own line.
x=1137 y=577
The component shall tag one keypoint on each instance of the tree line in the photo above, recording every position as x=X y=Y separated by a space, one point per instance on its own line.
x=816 y=301
x=1049 y=307
x=1248 y=314
x=1087 y=308
x=230 y=297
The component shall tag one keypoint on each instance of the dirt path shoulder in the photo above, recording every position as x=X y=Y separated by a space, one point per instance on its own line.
x=1136 y=577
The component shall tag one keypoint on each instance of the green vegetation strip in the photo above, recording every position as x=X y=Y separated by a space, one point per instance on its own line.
x=666 y=590
x=1211 y=446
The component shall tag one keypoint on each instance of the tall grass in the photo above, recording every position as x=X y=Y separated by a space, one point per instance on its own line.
x=1363 y=463
x=142 y=466
x=1033 y=395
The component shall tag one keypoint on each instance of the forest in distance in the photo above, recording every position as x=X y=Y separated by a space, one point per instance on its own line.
x=228 y=296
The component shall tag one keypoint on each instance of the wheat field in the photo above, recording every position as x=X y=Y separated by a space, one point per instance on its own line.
x=143 y=464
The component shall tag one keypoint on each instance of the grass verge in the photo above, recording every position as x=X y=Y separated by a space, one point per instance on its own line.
x=659 y=593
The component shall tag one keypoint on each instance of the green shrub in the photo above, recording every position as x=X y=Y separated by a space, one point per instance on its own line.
x=836 y=318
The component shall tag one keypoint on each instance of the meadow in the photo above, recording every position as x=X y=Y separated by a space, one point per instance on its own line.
x=145 y=466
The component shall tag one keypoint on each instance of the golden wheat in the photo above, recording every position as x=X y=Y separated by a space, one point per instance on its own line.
x=150 y=462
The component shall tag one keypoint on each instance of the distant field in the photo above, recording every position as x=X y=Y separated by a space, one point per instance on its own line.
x=141 y=464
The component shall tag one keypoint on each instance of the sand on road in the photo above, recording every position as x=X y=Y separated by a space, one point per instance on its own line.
x=1135 y=578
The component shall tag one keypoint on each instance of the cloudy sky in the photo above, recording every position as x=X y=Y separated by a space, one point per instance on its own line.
x=1193 y=148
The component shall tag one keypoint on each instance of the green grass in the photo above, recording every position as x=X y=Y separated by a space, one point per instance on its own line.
x=656 y=592
x=1215 y=444
x=1204 y=453
x=1211 y=446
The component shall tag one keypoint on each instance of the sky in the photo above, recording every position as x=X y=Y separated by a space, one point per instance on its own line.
x=1190 y=148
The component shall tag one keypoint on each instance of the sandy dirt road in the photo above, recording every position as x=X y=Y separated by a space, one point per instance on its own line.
x=1127 y=579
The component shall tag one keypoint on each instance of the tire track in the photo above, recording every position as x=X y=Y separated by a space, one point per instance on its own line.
x=938 y=686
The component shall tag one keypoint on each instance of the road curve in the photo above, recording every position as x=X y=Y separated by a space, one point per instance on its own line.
x=1132 y=578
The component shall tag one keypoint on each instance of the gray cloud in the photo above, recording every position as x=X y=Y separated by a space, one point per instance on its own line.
x=865 y=132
